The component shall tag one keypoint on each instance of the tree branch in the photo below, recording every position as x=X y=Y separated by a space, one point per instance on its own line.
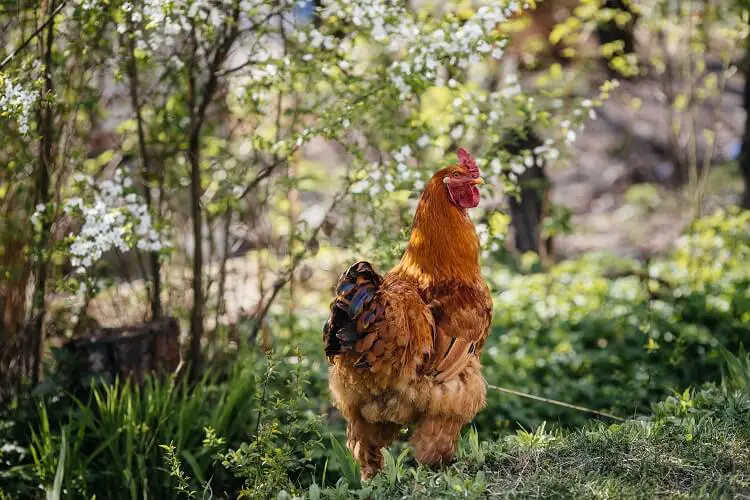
x=266 y=172
x=197 y=118
x=286 y=276
x=147 y=173
x=31 y=37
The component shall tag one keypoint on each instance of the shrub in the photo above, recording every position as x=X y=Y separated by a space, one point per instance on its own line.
x=617 y=334
x=115 y=439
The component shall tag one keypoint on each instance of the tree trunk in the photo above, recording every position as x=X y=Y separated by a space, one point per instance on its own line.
x=294 y=211
x=221 y=302
x=744 y=160
x=46 y=159
x=196 y=316
x=197 y=119
x=146 y=176
x=611 y=32
x=528 y=211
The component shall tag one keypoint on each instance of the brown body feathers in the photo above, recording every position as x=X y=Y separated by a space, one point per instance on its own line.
x=405 y=347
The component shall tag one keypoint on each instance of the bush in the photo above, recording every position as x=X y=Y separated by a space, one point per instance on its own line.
x=616 y=334
x=124 y=440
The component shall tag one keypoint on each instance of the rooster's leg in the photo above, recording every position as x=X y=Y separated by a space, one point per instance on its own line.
x=366 y=439
x=435 y=438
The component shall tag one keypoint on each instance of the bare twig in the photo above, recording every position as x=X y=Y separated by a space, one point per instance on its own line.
x=555 y=402
x=31 y=37
x=240 y=67
x=266 y=172
x=197 y=119
x=286 y=275
x=642 y=275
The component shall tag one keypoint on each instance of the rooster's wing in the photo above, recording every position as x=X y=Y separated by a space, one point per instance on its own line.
x=381 y=325
x=462 y=314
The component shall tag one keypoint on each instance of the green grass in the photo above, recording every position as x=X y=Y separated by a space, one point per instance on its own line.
x=695 y=445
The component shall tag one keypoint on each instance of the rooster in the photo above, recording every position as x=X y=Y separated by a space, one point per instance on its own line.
x=404 y=347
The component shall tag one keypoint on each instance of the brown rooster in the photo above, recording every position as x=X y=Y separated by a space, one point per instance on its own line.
x=405 y=346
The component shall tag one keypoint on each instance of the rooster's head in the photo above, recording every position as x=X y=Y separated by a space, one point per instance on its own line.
x=461 y=180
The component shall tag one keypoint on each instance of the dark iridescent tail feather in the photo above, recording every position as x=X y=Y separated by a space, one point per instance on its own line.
x=353 y=310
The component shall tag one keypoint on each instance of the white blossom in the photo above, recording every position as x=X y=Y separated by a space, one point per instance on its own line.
x=419 y=47
x=38 y=211
x=104 y=223
x=359 y=186
x=519 y=168
x=495 y=166
x=570 y=136
x=18 y=102
x=457 y=132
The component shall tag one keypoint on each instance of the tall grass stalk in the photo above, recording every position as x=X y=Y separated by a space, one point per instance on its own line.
x=110 y=444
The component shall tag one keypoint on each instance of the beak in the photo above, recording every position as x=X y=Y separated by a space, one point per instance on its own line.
x=477 y=181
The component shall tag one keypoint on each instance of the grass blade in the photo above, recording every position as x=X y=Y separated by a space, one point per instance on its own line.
x=349 y=467
x=55 y=493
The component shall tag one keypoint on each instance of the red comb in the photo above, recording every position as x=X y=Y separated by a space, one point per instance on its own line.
x=467 y=161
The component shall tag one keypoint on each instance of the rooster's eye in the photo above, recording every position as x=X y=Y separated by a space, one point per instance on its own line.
x=456 y=174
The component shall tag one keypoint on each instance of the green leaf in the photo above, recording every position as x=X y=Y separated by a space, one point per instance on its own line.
x=194 y=466
x=56 y=491
x=390 y=470
x=314 y=492
x=349 y=467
